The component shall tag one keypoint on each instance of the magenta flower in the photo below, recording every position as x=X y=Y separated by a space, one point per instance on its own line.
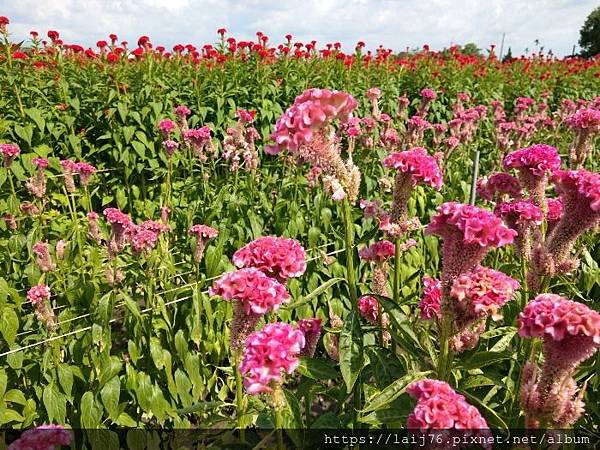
x=268 y=354
x=142 y=240
x=9 y=153
x=121 y=226
x=44 y=437
x=85 y=172
x=586 y=124
x=439 y=407
x=469 y=233
x=182 y=111
x=554 y=213
x=166 y=127
x=368 y=306
x=534 y=164
x=371 y=208
x=200 y=141
x=312 y=332
x=523 y=216
x=378 y=252
x=254 y=294
x=571 y=334
x=170 y=147
x=428 y=94
x=203 y=234
x=311 y=111
x=40 y=163
x=430 y=304
x=498 y=185
x=278 y=257
x=38 y=294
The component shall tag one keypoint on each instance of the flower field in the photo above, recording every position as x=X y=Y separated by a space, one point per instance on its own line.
x=283 y=235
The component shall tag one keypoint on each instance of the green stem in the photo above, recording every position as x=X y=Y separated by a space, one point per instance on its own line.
x=397 y=261
x=445 y=358
x=239 y=393
x=474 y=175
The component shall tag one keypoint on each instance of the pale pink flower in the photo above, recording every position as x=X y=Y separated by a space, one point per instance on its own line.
x=69 y=169
x=268 y=354
x=29 y=209
x=378 y=252
x=93 y=229
x=121 y=226
x=524 y=217
x=371 y=208
x=278 y=257
x=170 y=147
x=38 y=294
x=10 y=221
x=571 y=334
x=61 y=246
x=43 y=259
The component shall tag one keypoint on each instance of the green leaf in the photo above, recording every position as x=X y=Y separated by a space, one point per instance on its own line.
x=3 y=382
x=351 y=351
x=482 y=359
x=91 y=411
x=317 y=369
x=9 y=324
x=393 y=391
x=55 y=404
x=314 y=294
x=36 y=116
x=493 y=419
x=110 y=394
x=65 y=378
x=15 y=396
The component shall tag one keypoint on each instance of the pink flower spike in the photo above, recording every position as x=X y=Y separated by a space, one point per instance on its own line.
x=431 y=301
x=378 y=252
x=38 y=294
x=417 y=162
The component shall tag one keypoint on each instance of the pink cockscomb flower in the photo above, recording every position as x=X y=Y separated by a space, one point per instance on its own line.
x=142 y=240
x=586 y=124
x=166 y=127
x=182 y=110
x=36 y=185
x=200 y=141
x=311 y=111
x=254 y=294
x=373 y=94
x=9 y=153
x=571 y=334
x=278 y=257
x=368 y=306
x=203 y=234
x=40 y=163
x=170 y=147
x=413 y=166
x=378 y=252
x=121 y=225
x=85 y=172
x=554 y=213
x=268 y=354
x=534 y=164
x=39 y=296
x=311 y=328
x=523 y=216
x=428 y=94
x=93 y=229
x=69 y=169
x=498 y=185
x=469 y=233
x=475 y=296
x=43 y=259
x=44 y=437
x=430 y=304
x=579 y=192
x=442 y=411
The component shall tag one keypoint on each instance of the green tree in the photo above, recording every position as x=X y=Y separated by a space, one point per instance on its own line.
x=589 y=35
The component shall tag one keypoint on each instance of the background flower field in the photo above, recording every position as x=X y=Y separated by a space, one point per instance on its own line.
x=136 y=339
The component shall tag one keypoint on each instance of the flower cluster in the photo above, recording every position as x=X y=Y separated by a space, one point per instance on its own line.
x=240 y=142
x=43 y=259
x=203 y=234
x=498 y=185
x=278 y=257
x=378 y=252
x=368 y=307
x=522 y=216
x=39 y=296
x=268 y=354
x=71 y=168
x=440 y=409
x=571 y=334
x=200 y=140
x=431 y=302
x=311 y=111
x=44 y=437
x=586 y=124
x=9 y=153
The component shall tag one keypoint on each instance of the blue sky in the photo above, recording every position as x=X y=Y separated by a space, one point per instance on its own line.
x=394 y=23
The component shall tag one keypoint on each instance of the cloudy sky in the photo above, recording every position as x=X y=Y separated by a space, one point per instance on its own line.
x=394 y=23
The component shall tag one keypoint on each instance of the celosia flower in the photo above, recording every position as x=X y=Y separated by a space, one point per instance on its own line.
x=580 y=195
x=170 y=147
x=29 y=209
x=522 y=216
x=586 y=123
x=43 y=259
x=44 y=437
x=61 y=247
x=554 y=213
x=431 y=301
x=40 y=163
x=36 y=185
x=69 y=169
x=166 y=127
x=93 y=230
x=371 y=208
x=413 y=166
x=278 y=257
x=203 y=234
x=254 y=294
x=534 y=164
x=311 y=328
x=120 y=224
x=368 y=306
x=428 y=94
x=311 y=111
x=142 y=240
x=9 y=153
x=200 y=141
x=85 y=172
x=497 y=185
x=378 y=252
x=441 y=410
x=38 y=294
x=469 y=233
x=10 y=221
x=571 y=334
x=268 y=354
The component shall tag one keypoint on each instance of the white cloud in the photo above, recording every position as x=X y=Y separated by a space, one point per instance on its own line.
x=396 y=24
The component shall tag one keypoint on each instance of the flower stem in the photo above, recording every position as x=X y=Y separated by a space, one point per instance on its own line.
x=445 y=357
x=474 y=175
x=397 y=261
x=239 y=393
